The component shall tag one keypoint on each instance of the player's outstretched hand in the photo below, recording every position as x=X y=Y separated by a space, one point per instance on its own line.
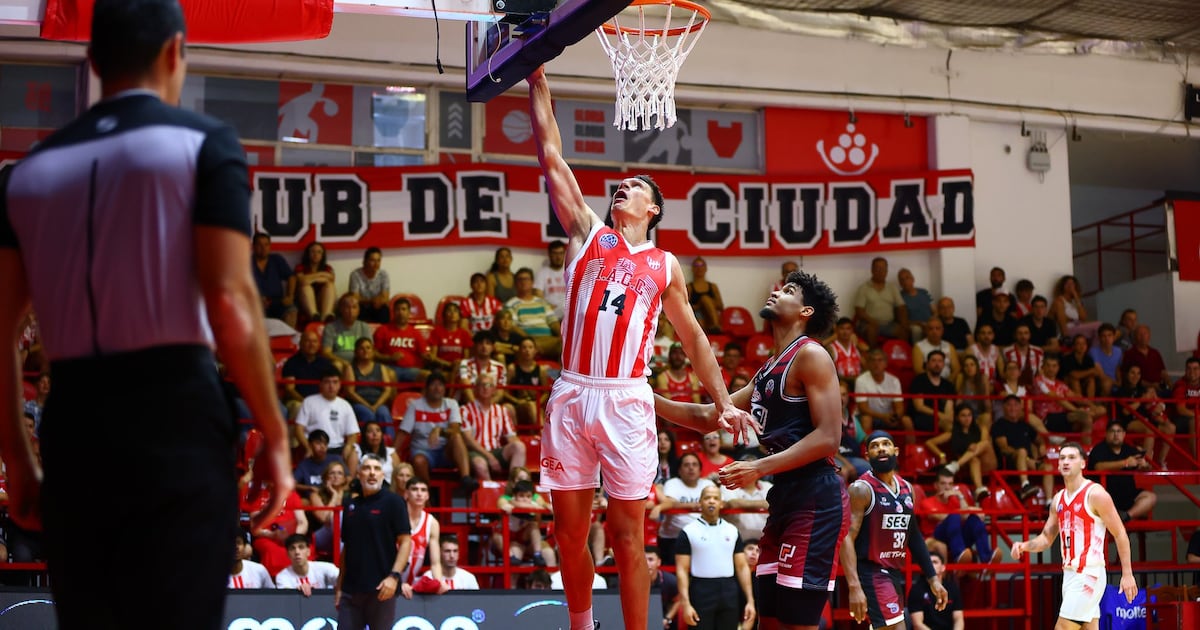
x=1018 y=550
x=739 y=474
x=538 y=74
x=1129 y=587
x=739 y=423
x=273 y=475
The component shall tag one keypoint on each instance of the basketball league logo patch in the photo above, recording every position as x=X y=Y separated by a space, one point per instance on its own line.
x=608 y=241
x=770 y=388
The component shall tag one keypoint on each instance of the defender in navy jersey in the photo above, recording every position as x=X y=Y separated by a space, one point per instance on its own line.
x=882 y=532
x=128 y=231
x=797 y=402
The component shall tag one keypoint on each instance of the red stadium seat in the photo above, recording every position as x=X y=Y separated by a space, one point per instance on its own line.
x=718 y=344
x=317 y=327
x=915 y=458
x=737 y=322
x=759 y=348
x=400 y=404
x=416 y=307
x=533 y=450
x=690 y=446
x=999 y=499
x=457 y=299
x=29 y=390
x=899 y=360
x=283 y=344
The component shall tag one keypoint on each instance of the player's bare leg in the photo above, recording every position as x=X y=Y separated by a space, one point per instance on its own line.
x=572 y=517
x=626 y=525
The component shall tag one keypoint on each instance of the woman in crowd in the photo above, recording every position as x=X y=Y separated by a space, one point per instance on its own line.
x=966 y=446
x=1138 y=407
x=500 y=280
x=333 y=492
x=972 y=383
x=315 y=289
x=524 y=373
x=370 y=284
x=1068 y=310
x=368 y=386
x=372 y=442
x=705 y=297
x=479 y=308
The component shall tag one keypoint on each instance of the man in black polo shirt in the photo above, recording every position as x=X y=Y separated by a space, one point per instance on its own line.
x=128 y=231
x=377 y=539
x=933 y=402
x=1018 y=446
x=306 y=365
x=1114 y=455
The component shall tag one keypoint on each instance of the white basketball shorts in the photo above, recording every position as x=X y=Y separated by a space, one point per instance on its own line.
x=1081 y=595
x=600 y=425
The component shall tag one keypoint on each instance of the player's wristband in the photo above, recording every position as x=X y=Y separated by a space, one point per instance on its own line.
x=395 y=574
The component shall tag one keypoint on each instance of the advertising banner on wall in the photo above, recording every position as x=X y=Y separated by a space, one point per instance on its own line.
x=710 y=214
x=289 y=610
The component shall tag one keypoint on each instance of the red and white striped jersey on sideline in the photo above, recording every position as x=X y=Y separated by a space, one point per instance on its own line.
x=480 y=316
x=614 y=295
x=1082 y=530
x=488 y=424
x=847 y=360
x=253 y=575
x=420 y=542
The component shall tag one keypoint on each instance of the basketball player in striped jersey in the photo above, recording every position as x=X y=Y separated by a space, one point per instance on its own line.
x=1084 y=510
x=426 y=532
x=600 y=416
x=797 y=399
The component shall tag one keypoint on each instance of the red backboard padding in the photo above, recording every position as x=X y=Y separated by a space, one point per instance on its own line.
x=211 y=21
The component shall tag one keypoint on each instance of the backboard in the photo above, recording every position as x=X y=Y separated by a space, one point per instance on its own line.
x=501 y=54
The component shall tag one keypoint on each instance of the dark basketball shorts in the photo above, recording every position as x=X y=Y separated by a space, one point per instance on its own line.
x=884 y=590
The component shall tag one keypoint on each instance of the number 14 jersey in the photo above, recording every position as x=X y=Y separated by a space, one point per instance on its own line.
x=614 y=295
x=883 y=537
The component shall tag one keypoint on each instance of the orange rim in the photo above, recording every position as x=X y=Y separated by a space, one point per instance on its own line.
x=667 y=32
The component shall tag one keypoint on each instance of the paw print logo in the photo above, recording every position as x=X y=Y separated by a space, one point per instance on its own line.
x=849 y=156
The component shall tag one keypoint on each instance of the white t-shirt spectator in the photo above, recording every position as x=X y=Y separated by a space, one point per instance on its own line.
x=676 y=489
x=865 y=384
x=320 y=575
x=749 y=524
x=334 y=417
x=553 y=286
x=463 y=580
x=420 y=420
x=253 y=575
x=598 y=583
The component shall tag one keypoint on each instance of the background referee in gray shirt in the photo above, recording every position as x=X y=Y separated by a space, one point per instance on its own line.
x=128 y=231
x=711 y=566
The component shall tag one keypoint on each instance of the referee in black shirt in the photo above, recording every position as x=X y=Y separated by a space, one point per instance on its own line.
x=710 y=566
x=128 y=232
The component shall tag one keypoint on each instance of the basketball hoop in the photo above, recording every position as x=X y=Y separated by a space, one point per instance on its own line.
x=646 y=60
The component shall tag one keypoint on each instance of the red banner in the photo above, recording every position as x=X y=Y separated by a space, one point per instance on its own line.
x=1187 y=239
x=713 y=215
x=211 y=21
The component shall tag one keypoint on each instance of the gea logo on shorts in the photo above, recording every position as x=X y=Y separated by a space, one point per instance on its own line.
x=549 y=464
x=321 y=623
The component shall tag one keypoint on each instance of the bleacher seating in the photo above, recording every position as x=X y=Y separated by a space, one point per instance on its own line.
x=737 y=322
x=416 y=307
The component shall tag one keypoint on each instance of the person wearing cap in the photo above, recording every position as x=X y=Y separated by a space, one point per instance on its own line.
x=882 y=532
x=1000 y=317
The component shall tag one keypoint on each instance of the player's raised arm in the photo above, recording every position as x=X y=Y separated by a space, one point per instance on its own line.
x=701 y=418
x=1101 y=502
x=566 y=198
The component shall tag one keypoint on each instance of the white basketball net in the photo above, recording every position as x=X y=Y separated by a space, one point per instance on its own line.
x=646 y=66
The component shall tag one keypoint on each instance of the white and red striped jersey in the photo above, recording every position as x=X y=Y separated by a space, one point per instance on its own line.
x=847 y=360
x=1030 y=358
x=1081 y=529
x=420 y=542
x=252 y=575
x=470 y=369
x=988 y=361
x=480 y=315
x=489 y=424
x=614 y=295
x=320 y=575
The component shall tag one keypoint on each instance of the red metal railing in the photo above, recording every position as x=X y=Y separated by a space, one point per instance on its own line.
x=1134 y=227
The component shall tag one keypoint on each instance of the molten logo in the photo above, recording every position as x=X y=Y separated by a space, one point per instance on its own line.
x=551 y=465
x=851 y=149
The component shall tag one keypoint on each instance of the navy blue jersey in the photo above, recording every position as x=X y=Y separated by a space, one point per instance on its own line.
x=785 y=419
x=883 y=537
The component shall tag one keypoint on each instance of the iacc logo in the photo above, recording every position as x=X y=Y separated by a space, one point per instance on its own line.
x=849 y=156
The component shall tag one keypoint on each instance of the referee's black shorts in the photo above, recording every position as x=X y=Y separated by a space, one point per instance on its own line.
x=716 y=601
x=139 y=495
